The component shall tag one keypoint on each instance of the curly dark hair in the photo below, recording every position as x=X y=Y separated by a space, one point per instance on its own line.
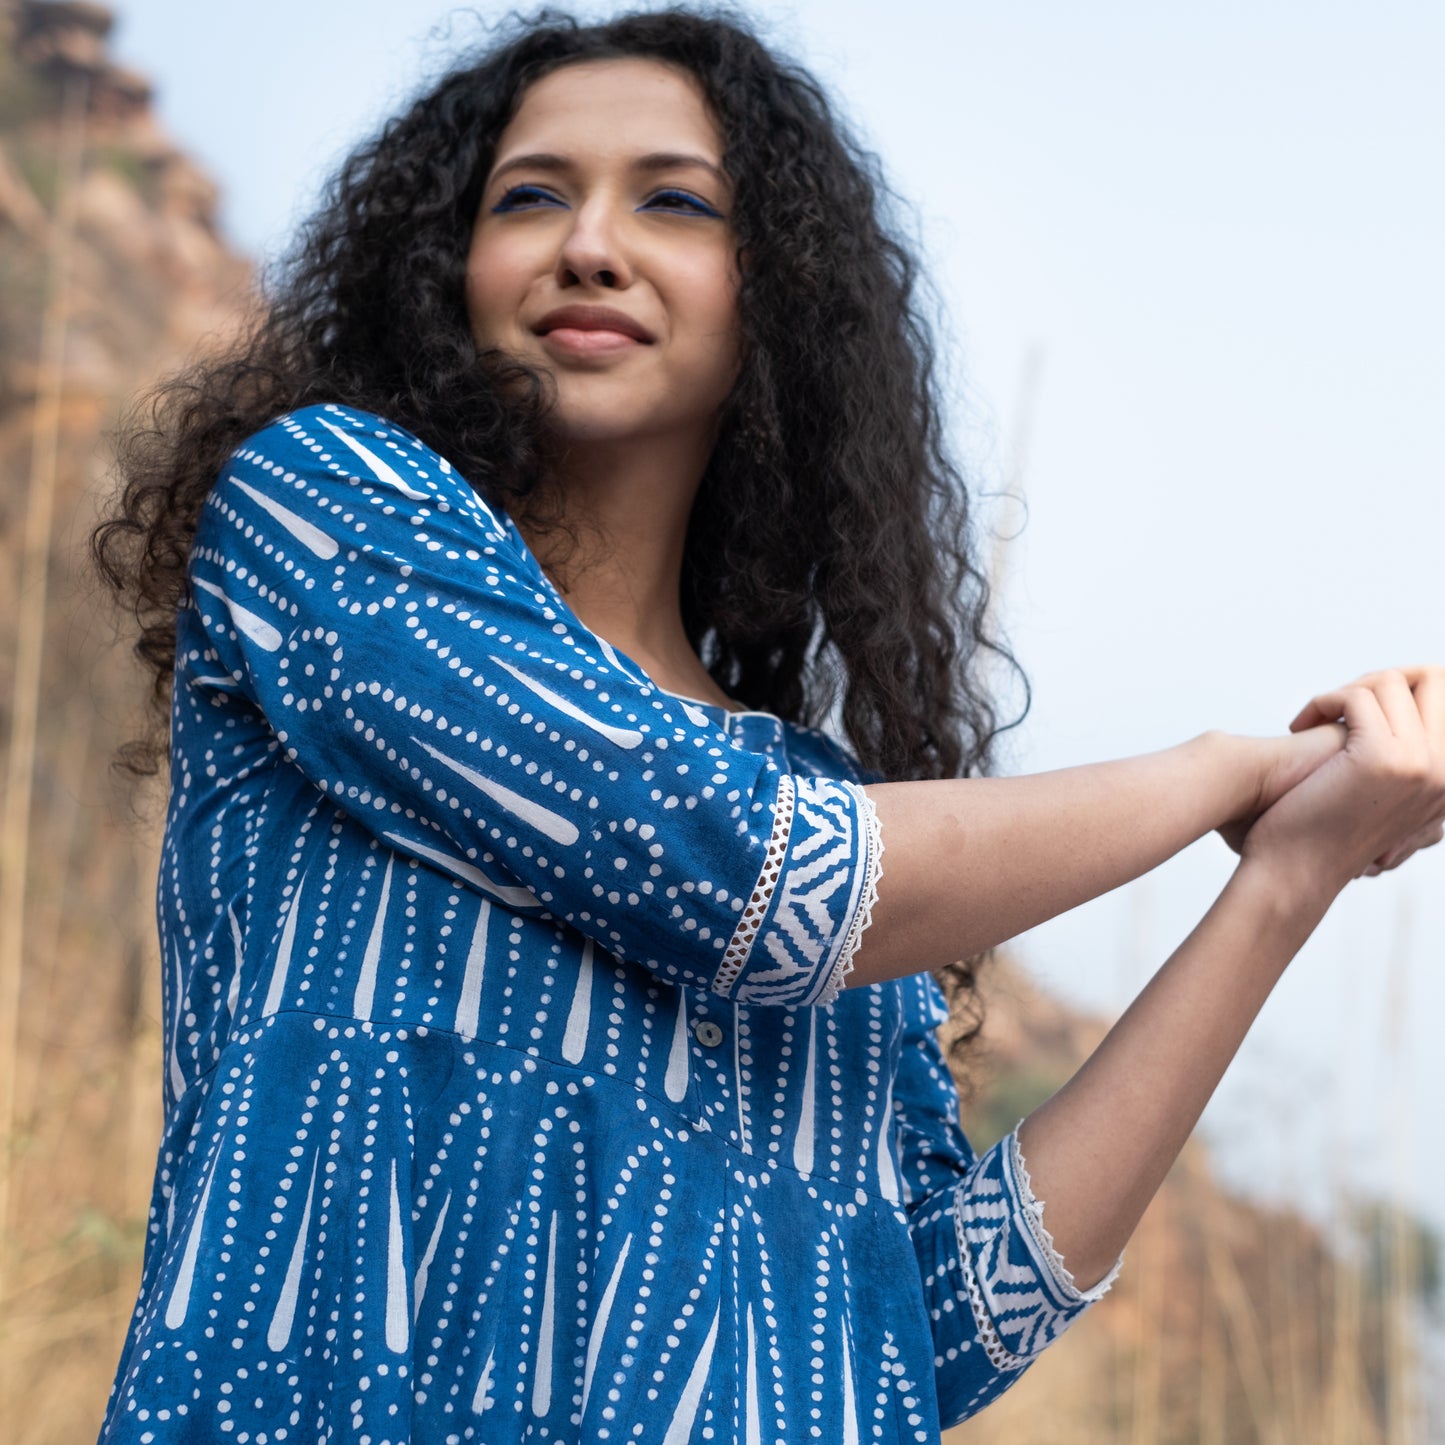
x=832 y=432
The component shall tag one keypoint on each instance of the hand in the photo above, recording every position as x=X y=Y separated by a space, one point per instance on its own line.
x=1282 y=763
x=1377 y=800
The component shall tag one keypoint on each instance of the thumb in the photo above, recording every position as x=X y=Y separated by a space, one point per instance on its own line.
x=1305 y=751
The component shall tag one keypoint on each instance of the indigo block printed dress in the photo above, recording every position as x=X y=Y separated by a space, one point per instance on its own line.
x=513 y=1090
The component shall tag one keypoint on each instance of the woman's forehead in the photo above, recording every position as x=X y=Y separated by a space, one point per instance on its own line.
x=624 y=106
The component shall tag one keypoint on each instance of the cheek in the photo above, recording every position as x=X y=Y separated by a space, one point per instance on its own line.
x=493 y=292
x=710 y=287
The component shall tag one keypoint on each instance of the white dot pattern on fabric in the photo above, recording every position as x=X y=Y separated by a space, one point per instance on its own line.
x=510 y=1093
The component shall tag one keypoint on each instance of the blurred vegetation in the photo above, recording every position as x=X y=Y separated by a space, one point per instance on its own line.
x=23 y=94
x=1390 y=1236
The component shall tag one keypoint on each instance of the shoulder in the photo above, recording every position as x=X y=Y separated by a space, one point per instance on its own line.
x=331 y=438
x=327 y=449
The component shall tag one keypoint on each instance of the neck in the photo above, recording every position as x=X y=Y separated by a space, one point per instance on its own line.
x=627 y=504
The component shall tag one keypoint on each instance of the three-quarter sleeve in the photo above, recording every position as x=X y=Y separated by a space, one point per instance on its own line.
x=996 y=1291
x=416 y=664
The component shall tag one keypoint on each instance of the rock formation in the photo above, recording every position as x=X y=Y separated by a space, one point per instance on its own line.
x=112 y=270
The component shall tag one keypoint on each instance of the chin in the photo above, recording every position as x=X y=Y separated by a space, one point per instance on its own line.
x=602 y=419
x=589 y=428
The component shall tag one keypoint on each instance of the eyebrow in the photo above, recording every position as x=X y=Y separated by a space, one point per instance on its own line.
x=653 y=161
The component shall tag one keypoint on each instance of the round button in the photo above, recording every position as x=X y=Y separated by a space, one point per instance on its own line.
x=707 y=1033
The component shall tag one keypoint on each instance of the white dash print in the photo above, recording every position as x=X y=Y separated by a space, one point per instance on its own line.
x=371 y=959
x=544 y=820
x=279 y=1335
x=398 y=1327
x=469 y=1002
x=803 y=1143
x=185 y=1276
x=887 y=1175
x=542 y=1381
x=277 y=991
x=623 y=737
x=850 y=1397
x=738 y=1084
x=483 y=1399
x=680 y=1431
x=381 y=470
x=233 y=993
x=308 y=534
x=178 y=1079
x=675 y=1082
x=247 y=622
x=516 y=897
x=574 y=1039
x=424 y=1269
x=611 y=654
x=754 y=1424
x=599 y=1325
x=696 y=716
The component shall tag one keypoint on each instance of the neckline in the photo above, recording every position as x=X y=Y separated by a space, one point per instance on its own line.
x=623 y=660
x=696 y=701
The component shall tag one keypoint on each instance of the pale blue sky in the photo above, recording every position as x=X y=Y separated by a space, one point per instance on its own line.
x=1220 y=227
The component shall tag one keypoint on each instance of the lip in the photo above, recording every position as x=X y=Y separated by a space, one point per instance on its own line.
x=606 y=326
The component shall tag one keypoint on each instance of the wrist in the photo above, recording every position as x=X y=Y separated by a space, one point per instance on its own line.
x=1241 y=767
x=1291 y=887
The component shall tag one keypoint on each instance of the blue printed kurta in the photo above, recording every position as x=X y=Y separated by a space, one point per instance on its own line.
x=510 y=1091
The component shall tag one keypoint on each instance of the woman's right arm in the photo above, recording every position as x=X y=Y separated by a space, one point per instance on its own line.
x=972 y=862
x=413 y=661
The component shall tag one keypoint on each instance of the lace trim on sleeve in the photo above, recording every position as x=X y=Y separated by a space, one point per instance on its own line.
x=863 y=918
x=1021 y=1296
x=1034 y=1216
x=796 y=937
x=999 y=1354
x=745 y=935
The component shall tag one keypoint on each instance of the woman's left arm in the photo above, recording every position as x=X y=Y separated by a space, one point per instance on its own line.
x=998 y=1286
x=1099 y=1149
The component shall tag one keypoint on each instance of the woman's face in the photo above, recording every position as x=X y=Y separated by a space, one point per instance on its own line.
x=603 y=253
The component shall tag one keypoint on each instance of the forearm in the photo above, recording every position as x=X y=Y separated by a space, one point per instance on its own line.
x=1099 y=1149
x=972 y=862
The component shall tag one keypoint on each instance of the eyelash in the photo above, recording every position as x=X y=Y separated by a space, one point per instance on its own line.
x=696 y=206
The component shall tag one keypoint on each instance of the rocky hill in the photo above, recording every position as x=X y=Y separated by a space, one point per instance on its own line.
x=1231 y=1323
x=112 y=270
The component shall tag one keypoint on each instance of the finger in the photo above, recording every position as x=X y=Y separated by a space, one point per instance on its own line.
x=1397 y=702
x=1355 y=703
x=1425 y=838
x=1413 y=675
x=1316 y=710
x=1429 y=690
x=1324 y=708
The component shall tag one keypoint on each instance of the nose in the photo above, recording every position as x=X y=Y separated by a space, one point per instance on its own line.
x=593 y=252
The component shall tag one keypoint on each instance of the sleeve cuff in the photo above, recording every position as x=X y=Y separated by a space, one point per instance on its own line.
x=1021 y=1295
x=1033 y=1211
x=796 y=940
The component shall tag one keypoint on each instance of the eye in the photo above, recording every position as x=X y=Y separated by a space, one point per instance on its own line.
x=682 y=202
x=525 y=198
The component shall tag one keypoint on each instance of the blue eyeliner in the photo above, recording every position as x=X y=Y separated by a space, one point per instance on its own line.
x=510 y=201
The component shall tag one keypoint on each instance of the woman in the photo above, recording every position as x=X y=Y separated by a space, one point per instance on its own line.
x=529 y=1075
